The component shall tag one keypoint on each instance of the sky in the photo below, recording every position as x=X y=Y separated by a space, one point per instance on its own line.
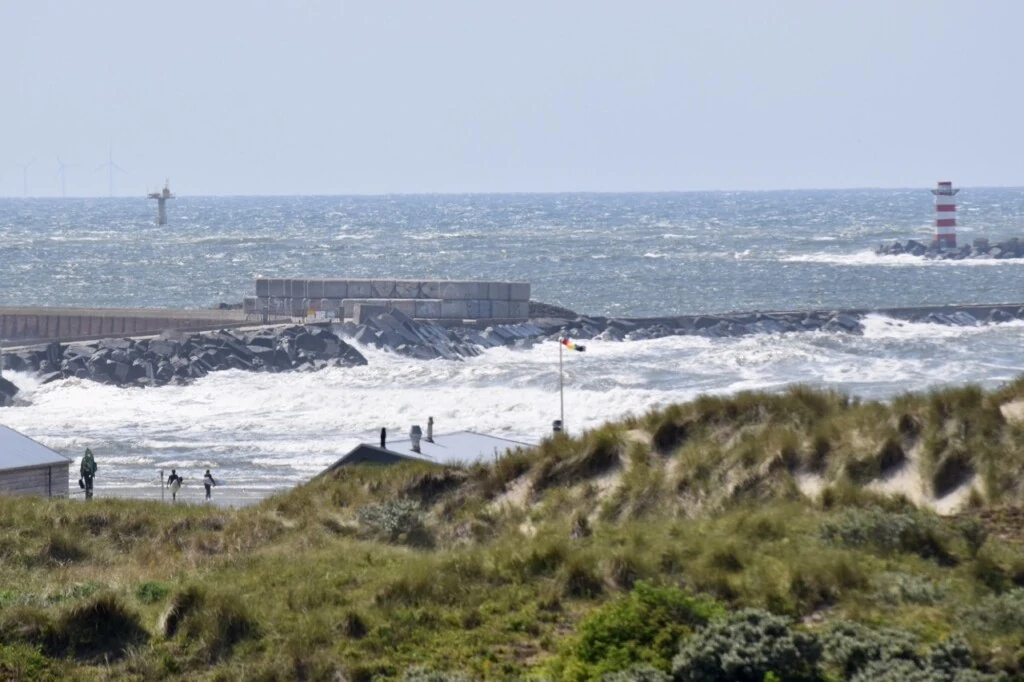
x=264 y=97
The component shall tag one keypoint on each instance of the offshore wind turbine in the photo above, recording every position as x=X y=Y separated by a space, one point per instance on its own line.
x=111 y=167
x=62 y=174
x=24 y=174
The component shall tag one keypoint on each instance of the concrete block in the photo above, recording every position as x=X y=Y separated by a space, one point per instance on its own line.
x=403 y=305
x=405 y=288
x=262 y=286
x=382 y=288
x=278 y=288
x=518 y=291
x=428 y=308
x=519 y=309
x=348 y=307
x=497 y=291
x=460 y=291
x=363 y=311
x=331 y=306
x=335 y=288
x=499 y=309
x=454 y=310
x=297 y=288
x=430 y=290
x=359 y=288
x=479 y=309
x=315 y=288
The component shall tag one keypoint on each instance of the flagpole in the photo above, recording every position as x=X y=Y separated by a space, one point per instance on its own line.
x=561 y=395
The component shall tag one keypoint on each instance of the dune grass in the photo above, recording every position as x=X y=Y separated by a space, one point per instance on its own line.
x=502 y=570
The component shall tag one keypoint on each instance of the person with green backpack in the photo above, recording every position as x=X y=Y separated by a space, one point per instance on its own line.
x=88 y=471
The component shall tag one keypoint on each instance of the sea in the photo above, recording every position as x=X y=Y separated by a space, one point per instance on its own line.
x=629 y=255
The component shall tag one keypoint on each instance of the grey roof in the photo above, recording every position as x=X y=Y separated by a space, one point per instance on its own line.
x=18 y=451
x=449 y=448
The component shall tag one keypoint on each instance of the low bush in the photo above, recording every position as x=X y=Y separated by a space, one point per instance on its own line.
x=398 y=520
x=746 y=646
x=906 y=588
x=850 y=647
x=912 y=532
x=644 y=626
x=996 y=613
x=150 y=592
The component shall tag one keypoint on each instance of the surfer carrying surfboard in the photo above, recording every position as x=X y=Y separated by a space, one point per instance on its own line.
x=208 y=482
x=174 y=483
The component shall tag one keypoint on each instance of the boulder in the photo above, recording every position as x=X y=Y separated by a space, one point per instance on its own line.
x=7 y=392
x=999 y=315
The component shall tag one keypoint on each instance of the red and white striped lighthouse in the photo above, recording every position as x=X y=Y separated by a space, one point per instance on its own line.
x=945 y=215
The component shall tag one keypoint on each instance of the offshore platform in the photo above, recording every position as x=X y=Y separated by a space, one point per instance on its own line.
x=161 y=202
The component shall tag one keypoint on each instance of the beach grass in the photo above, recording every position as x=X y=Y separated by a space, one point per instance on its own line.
x=549 y=563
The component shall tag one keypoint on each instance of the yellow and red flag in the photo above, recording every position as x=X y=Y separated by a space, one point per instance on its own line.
x=572 y=346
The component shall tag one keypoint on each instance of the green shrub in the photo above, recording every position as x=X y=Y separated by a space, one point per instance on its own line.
x=912 y=532
x=395 y=520
x=745 y=647
x=906 y=588
x=24 y=662
x=150 y=592
x=850 y=647
x=861 y=654
x=644 y=626
x=996 y=613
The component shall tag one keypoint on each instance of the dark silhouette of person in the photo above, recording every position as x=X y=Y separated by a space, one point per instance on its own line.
x=208 y=482
x=88 y=471
x=174 y=482
x=383 y=437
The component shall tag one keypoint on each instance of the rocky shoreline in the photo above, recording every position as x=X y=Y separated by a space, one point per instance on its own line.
x=176 y=357
x=980 y=248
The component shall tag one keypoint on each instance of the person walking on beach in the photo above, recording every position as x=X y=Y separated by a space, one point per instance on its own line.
x=174 y=483
x=208 y=482
x=383 y=437
x=88 y=471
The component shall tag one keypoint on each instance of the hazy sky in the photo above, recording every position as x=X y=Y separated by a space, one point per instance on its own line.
x=275 y=97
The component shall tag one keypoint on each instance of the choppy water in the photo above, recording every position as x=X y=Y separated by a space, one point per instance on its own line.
x=600 y=254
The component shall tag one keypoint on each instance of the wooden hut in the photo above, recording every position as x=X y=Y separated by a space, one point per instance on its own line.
x=30 y=468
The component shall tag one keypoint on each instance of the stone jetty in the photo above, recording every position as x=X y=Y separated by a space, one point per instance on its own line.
x=177 y=357
x=980 y=248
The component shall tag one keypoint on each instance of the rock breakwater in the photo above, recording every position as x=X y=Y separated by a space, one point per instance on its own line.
x=175 y=357
x=980 y=248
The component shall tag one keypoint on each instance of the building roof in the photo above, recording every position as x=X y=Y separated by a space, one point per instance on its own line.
x=463 y=447
x=18 y=451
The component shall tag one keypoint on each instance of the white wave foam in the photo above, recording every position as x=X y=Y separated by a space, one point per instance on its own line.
x=903 y=260
x=283 y=428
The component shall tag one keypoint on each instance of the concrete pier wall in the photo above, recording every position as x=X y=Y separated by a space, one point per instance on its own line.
x=68 y=324
x=423 y=299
